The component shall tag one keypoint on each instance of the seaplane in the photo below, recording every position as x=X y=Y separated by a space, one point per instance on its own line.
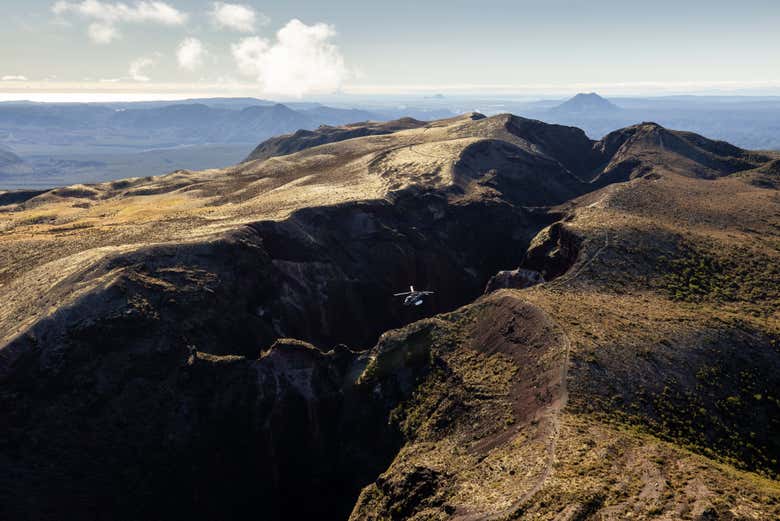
x=413 y=297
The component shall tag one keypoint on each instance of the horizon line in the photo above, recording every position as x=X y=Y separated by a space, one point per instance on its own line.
x=127 y=91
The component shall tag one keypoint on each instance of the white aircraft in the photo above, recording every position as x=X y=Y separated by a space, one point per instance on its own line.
x=413 y=298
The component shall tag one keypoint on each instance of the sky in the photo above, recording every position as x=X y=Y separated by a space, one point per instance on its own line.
x=301 y=49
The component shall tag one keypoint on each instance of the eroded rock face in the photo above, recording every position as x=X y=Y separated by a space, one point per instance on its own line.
x=335 y=269
x=290 y=434
x=553 y=251
x=514 y=279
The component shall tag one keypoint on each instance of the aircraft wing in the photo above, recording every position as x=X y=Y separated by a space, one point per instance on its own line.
x=402 y=294
x=425 y=292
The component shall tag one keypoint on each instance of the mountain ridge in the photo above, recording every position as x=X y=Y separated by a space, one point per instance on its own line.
x=170 y=301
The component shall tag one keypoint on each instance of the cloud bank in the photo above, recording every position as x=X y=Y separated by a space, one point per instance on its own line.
x=302 y=60
x=106 y=17
x=237 y=17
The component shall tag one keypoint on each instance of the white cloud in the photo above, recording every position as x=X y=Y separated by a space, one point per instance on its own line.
x=105 y=17
x=137 y=68
x=301 y=60
x=13 y=77
x=102 y=33
x=190 y=54
x=238 y=17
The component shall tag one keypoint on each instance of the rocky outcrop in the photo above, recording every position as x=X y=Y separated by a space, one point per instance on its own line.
x=552 y=252
x=514 y=279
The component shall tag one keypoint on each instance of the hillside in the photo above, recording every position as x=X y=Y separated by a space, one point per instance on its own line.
x=224 y=344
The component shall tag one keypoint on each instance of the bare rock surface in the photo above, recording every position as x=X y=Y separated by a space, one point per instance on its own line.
x=514 y=279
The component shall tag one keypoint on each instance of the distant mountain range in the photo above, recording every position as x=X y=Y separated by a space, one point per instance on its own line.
x=745 y=121
x=48 y=144
x=241 y=120
x=66 y=143
x=179 y=123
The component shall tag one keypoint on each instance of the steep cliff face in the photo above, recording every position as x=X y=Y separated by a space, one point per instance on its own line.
x=335 y=269
x=152 y=429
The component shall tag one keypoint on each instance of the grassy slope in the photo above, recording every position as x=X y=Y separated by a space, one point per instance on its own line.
x=670 y=323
